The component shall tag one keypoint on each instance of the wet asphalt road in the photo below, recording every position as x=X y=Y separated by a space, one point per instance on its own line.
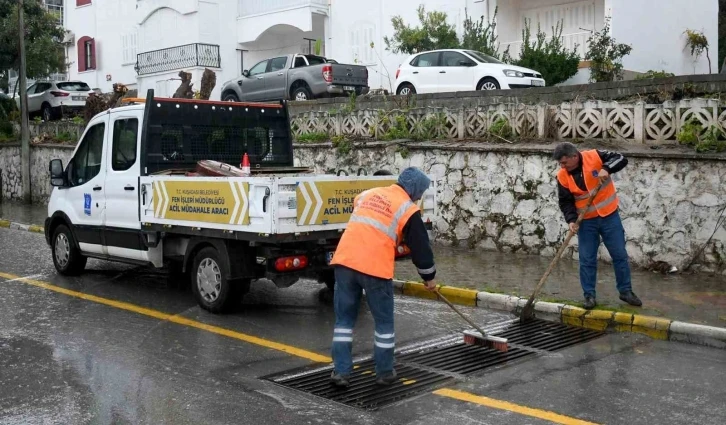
x=67 y=360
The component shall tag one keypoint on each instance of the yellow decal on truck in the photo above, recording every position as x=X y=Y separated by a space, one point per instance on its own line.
x=222 y=202
x=329 y=202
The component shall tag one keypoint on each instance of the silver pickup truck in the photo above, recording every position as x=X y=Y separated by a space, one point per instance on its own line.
x=296 y=77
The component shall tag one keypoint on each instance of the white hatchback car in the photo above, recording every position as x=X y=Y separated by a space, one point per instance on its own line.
x=50 y=99
x=452 y=70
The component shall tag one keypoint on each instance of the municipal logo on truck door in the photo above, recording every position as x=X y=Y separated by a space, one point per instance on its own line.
x=221 y=202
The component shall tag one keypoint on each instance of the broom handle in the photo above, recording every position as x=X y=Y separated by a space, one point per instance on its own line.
x=483 y=334
x=570 y=234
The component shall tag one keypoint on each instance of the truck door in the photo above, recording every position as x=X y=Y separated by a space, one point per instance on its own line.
x=122 y=229
x=276 y=79
x=253 y=86
x=85 y=199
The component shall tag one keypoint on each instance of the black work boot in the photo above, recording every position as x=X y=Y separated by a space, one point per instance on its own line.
x=589 y=303
x=340 y=381
x=387 y=379
x=630 y=298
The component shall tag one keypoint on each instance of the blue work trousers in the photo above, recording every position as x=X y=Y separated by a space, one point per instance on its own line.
x=349 y=285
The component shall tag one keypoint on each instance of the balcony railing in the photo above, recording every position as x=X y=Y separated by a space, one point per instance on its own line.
x=576 y=41
x=179 y=57
x=259 y=7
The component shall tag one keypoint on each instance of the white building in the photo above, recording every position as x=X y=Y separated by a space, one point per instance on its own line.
x=145 y=43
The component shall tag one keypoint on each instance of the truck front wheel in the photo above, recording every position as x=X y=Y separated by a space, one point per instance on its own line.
x=212 y=288
x=67 y=258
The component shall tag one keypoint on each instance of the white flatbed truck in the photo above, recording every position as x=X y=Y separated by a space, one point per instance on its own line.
x=130 y=194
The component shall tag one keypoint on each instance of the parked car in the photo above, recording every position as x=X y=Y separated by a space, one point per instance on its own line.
x=51 y=98
x=296 y=77
x=452 y=70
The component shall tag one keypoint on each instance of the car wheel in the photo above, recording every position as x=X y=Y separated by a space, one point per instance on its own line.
x=47 y=113
x=212 y=288
x=406 y=89
x=488 y=83
x=67 y=258
x=230 y=97
x=301 y=94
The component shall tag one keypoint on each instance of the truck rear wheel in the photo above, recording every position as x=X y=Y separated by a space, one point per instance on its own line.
x=212 y=288
x=67 y=258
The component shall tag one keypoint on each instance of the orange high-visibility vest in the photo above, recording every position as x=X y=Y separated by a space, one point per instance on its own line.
x=374 y=230
x=606 y=201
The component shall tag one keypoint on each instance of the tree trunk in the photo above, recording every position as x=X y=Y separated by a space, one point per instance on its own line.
x=185 y=89
x=209 y=80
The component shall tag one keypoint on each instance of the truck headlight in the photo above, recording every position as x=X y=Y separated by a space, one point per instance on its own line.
x=513 y=73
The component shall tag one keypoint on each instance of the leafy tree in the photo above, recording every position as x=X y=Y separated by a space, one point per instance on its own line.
x=480 y=36
x=547 y=56
x=697 y=42
x=606 y=55
x=43 y=50
x=434 y=33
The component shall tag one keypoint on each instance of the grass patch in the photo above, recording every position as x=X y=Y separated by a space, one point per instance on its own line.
x=313 y=137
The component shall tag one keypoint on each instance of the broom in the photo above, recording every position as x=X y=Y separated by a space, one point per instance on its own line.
x=528 y=310
x=480 y=339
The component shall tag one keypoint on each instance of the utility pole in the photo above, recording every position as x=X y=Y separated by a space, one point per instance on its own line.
x=24 y=124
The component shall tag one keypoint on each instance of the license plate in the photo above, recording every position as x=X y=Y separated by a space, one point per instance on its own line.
x=329 y=256
x=349 y=88
x=538 y=83
x=77 y=97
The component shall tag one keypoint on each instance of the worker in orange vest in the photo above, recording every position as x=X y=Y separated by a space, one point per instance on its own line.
x=578 y=176
x=382 y=219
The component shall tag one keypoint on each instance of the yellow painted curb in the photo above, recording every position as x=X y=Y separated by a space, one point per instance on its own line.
x=654 y=327
x=455 y=295
x=598 y=320
x=36 y=229
x=572 y=315
x=4 y=223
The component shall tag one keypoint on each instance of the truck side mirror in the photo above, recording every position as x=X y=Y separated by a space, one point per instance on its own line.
x=246 y=73
x=57 y=175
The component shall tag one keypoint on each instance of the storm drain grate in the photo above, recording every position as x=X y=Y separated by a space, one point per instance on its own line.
x=525 y=339
x=433 y=365
x=363 y=391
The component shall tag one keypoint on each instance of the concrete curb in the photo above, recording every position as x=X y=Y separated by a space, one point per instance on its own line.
x=601 y=320
x=34 y=228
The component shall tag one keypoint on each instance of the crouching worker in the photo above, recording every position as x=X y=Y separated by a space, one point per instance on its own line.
x=382 y=218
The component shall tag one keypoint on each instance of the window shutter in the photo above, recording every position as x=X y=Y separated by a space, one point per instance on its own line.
x=82 y=2
x=93 y=54
x=81 y=53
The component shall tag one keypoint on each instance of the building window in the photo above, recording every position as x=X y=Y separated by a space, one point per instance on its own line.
x=361 y=37
x=86 y=54
x=129 y=44
x=82 y=2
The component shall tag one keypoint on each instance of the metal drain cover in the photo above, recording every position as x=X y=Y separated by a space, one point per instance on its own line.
x=363 y=391
x=427 y=366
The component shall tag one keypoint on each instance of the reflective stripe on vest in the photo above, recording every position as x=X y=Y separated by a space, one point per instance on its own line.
x=390 y=231
x=600 y=205
x=586 y=196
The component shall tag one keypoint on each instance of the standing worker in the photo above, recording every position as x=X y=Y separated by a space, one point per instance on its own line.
x=383 y=219
x=578 y=176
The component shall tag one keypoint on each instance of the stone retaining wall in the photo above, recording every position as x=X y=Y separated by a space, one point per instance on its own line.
x=502 y=197
x=40 y=156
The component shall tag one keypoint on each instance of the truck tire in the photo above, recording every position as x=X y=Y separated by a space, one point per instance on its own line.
x=211 y=286
x=230 y=97
x=301 y=93
x=67 y=258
